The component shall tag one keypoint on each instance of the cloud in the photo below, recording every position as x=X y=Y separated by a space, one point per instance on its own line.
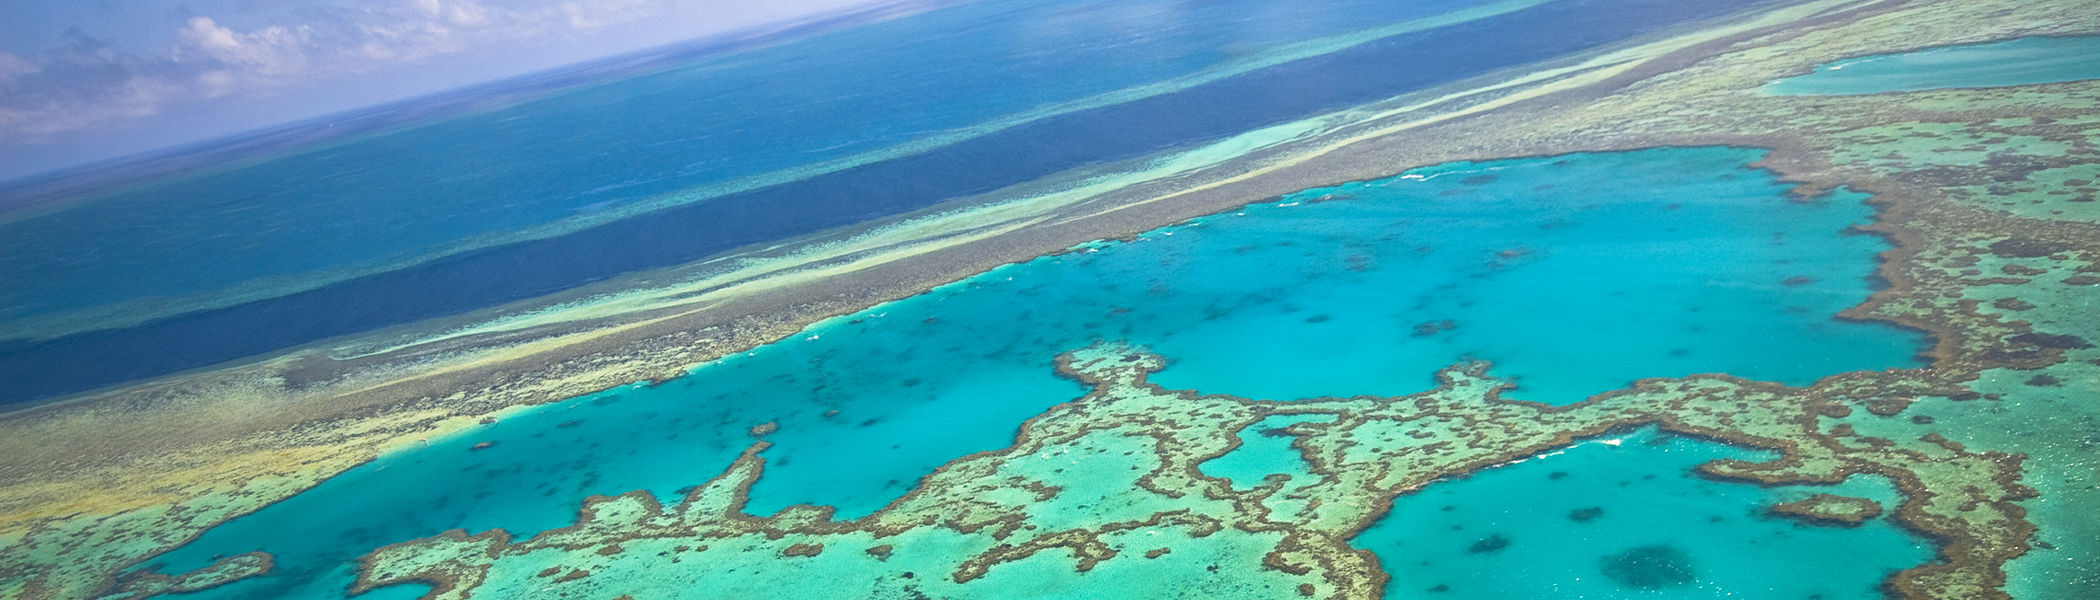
x=86 y=81
x=269 y=52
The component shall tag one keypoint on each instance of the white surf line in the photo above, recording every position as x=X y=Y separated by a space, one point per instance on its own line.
x=743 y=275
x=1589 y=72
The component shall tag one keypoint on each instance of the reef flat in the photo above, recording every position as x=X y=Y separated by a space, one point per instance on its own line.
x=1977 y=188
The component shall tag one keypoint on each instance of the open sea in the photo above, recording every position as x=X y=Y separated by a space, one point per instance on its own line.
x=667 y=167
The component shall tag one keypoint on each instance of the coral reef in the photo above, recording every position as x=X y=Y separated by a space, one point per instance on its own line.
x=1139 y=446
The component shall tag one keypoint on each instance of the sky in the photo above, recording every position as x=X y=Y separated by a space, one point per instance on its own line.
x=89 y=80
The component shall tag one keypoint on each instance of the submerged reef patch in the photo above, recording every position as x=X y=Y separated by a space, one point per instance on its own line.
x=1652 y=567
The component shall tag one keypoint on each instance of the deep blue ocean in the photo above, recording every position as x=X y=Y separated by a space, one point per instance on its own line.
x=678 y=164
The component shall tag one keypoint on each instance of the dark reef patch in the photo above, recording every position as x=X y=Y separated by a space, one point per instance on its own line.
x=1651 y=567
x=1492 y=543
x=1429 y=328
x=2012 y=304
x=2024 y=248
x=2055 y=342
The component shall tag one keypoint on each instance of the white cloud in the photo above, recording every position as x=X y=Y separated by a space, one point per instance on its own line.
x=12 y=66
x=600 y=13
x=268 y=52
x=85 y=81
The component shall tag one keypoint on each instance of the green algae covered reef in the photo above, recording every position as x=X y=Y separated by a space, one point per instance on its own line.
x=1987 y=195
x=1845 y=511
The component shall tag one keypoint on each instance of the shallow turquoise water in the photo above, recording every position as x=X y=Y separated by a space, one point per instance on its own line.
x=2022 y=61
x=1574 y=274
x=1551 y=527
x=1265 y=450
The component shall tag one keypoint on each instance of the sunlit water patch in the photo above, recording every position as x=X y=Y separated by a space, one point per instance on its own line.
x=1628 y=518
x=2022 y=61
x=1575 y=275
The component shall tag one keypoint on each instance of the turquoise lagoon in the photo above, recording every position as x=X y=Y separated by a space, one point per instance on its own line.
x=2022 y=61
x=1265 y=450
x=1574 y=274
x=1629 y=519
